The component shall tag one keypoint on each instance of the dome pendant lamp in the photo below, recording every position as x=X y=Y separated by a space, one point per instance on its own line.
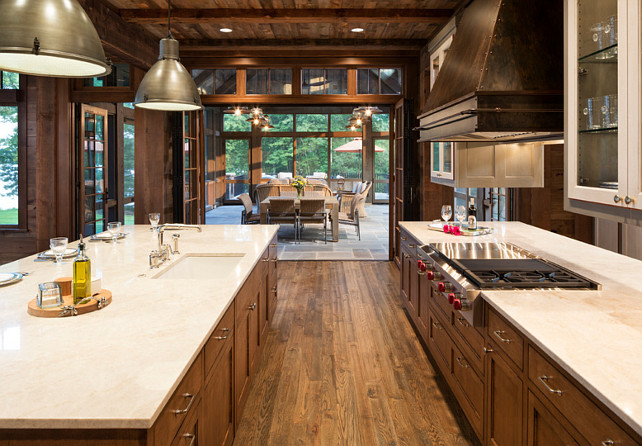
x=49 y=38
x=168 y=85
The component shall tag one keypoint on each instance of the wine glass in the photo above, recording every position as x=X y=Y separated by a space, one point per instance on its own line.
x=114 y=229
x=446 y=212
x=154 y=219
x=58 y=246
x=460 y=213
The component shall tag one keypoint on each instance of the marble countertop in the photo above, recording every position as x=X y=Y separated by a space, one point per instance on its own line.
x=596 y=336
x=117 y=367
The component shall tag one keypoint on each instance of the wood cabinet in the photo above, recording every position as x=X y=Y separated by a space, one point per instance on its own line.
x=272 y=279
x=544 y=429
x=504 y=404
x=603 y=108
x=217 y=420
x=409 y=276
x=189 y=434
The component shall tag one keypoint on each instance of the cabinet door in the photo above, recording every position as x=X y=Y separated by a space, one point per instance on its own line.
x=246 y=342
x=543 y=428
x=406 y=268
x=504 y=402
x=188 y=434
x=264 y=293
x=218 y=401
x=423 y=318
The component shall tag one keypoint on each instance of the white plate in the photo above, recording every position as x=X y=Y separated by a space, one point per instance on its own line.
x=69 y=252
x=107 y=236
x=9 y=278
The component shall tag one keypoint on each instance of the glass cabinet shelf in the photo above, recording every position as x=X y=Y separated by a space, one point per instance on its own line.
x=598 y=131
x=605 y=55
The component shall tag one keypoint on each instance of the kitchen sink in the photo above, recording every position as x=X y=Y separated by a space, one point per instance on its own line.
x=202 y=266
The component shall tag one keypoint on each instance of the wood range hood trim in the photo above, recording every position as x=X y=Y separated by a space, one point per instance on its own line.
x=502 y=80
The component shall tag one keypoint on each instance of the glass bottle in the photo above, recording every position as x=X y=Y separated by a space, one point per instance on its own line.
x=81 y=287
x=472 y=214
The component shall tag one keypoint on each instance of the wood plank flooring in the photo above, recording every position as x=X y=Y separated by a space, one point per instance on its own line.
x=343 y=366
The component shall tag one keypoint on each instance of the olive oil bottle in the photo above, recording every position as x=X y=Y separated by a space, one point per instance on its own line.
x=82 y=274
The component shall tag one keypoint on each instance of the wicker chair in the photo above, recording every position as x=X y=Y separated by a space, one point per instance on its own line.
x=359 y=188
x=349 y=210
x=312 y=210
x=282 y=211
x=247 y=215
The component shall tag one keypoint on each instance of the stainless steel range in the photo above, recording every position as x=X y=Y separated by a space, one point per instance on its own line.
x=463 y=270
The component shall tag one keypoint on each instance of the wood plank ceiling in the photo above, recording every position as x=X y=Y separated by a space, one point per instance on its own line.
x=318 y=22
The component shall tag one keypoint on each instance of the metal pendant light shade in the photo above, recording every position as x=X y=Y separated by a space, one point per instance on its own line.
x=168 y=85
x=49 y=38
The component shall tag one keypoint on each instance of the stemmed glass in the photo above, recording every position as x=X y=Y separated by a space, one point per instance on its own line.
x=154 y=219
x=58 y=246
x=460 y=213
x=114 y=229
x=446 y=212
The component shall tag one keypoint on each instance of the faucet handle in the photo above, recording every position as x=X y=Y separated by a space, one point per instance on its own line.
x=175 y=238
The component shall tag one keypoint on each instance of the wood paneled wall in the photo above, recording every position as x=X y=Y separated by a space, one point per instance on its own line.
x=47 y=124
x=544 y=207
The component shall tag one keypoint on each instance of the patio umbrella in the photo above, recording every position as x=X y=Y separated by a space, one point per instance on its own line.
x=354 y=146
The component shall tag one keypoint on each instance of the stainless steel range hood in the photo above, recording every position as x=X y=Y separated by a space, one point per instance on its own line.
x=502 y=80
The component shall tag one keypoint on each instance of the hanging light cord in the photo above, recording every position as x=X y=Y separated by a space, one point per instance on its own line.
x=169 y=7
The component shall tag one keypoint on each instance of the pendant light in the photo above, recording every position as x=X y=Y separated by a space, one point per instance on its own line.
x=168 y=85
x=49 y=38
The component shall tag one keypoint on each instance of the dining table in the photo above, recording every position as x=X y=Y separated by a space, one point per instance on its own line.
x=331 y=203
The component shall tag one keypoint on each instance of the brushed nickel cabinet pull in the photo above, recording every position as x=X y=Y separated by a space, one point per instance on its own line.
x=617 y=198
x=266 y=260
x=628 y=200
x=274 y=289
x=463 y=322
x=498 y=335
x=608 y=442
x=544 y=380
x=192 y=436
x=437 y=325
x=404 y=238
x=222 y=338
x=252 y=307
x=410 y=245
x=189 y=405
x=272 y=245
x=273 y=260
x=464 y=364
x=487 y=350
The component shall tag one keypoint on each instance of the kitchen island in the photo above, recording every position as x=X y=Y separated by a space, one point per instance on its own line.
x=590 y=338
x=117 y=368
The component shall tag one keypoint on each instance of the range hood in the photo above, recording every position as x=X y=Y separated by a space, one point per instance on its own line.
x=503 y=79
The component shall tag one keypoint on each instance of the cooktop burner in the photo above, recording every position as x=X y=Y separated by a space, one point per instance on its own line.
x=491 y=266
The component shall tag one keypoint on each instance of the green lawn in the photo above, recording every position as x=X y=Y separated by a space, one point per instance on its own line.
x=8 y=216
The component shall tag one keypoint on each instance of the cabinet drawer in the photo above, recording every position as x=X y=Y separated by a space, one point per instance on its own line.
x=188 y=433
x=440 y=300
x=272 y=253
x=181 y=405
x=584 y=415
x=439 y=343
x=472 y=338
x=408 y=242
x=506 y=338
x=472 y=388
x=223 y=334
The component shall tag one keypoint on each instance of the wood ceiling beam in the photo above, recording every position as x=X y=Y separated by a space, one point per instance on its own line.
x=358 y=44
x=271 y=16
x=117 y=36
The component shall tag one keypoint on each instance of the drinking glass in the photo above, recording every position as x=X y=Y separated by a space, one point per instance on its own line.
x=114 y=229
x=58 y=246
x=446 y=212
x=460 y=213
x=154 y=219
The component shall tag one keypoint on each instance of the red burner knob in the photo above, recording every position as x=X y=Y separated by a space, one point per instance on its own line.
x=451 y=298
x=457 y=304
x=419 y=263
x=422 y=267
x=442 y=287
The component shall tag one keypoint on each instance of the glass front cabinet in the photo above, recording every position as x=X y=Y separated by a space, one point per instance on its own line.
x=603 y=128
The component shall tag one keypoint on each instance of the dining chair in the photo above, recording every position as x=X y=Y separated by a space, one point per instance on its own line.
x=248 y=216
x=312 y=210
x=349 y=210
x=282 y=210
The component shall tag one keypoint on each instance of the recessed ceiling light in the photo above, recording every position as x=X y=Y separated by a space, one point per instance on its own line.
x=225 y=30
x=357 y=30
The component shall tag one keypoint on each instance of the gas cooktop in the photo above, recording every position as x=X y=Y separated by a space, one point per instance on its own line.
x=506 y=266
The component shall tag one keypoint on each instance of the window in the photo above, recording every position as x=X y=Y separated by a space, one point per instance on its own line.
x=268 y=81
x=345 y=164
x=437 y=59
x=379 y=81
x=119 y=77
x=282 y=123
x=219 y=81
x=9 y=165
x=324 y=81
x=128 y=171
x=311 y=156
x=9 y=81
x=277 y=155
x=499 y=204
x=312 y=123
x=381 y=122
x=236 y=123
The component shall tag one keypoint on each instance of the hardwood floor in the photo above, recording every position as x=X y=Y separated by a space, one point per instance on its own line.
x=343 y=366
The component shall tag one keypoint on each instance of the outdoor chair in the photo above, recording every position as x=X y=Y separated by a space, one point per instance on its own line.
x=349 y=210
x=312 y=210
x=363 y=189
x=282 y=211
x=248 y=216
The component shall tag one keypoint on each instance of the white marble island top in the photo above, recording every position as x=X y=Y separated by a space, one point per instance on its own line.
x=594 y=335
x=117 y=367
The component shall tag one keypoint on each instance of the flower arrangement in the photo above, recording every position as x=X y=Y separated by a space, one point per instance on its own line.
x=452 y=229
x=299 y=183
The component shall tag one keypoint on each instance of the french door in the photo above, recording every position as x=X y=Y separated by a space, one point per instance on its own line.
x=191 y=166
x=237 y=167
x=93 y=156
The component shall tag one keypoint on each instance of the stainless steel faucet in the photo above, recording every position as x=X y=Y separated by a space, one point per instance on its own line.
x=157 y=257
